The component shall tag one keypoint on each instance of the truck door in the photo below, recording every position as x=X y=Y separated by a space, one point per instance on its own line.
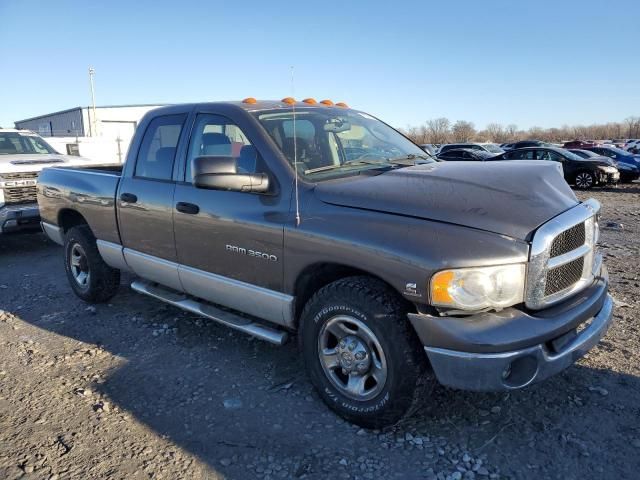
x=230 y=244
x=145 y=203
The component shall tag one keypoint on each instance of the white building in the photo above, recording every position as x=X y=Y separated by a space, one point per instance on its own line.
x=103 y=136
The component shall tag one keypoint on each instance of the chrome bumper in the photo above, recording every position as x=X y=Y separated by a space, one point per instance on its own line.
x=516 y=369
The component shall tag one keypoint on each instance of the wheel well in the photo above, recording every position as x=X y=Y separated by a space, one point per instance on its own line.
x=68 y=219
x=316 y=276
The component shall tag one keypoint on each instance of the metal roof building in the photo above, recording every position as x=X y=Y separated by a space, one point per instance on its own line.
x=113 y=121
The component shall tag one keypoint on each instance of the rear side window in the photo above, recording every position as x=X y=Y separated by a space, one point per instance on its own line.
x=158 y=150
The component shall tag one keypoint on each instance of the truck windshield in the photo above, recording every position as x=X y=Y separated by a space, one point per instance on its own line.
x=331 y=142
x=19 y=143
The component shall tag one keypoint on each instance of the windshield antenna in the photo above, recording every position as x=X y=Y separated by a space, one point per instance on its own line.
x=295 y=151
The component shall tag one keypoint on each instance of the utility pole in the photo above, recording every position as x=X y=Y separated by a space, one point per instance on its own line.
x=92 y=72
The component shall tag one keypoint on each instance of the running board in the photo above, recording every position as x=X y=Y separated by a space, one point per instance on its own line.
x=192 y=305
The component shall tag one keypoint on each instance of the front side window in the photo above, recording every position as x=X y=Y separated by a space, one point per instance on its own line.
x=215 y=135
x=493 y=148
x=331 y=142
x=158 y=149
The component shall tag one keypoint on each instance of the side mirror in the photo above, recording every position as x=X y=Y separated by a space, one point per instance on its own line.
x=221 y=173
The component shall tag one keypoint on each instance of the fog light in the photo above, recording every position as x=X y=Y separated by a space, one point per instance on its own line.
x=10 y=223
x=520 y=372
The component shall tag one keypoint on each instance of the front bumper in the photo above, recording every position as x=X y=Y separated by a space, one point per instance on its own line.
x=512 y=349
x=18 y=218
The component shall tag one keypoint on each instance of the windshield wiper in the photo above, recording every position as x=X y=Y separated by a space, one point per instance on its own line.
x=403 y=159
x=348 y=163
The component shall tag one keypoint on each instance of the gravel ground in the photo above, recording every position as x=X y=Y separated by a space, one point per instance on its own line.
x=136 y=389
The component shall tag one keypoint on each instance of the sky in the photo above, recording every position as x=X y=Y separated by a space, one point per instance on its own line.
x=530 y=63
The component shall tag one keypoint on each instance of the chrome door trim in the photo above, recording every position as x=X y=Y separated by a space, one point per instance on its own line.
x=153 y=268
x=244 y=297
x=260 y=302
x=113 y=255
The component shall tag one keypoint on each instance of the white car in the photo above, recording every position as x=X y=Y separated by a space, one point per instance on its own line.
x=23 y=154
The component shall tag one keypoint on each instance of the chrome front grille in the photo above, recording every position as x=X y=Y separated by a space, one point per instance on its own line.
x=18 y=176
x=564 y=276
x=18 y=195
x=562 y=256
x=568 y=240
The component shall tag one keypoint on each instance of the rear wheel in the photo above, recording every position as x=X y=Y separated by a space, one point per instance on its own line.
x=585 y=180
x=90 y=278
x=361 y=353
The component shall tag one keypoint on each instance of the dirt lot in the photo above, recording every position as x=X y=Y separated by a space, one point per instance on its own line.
x=135 y=389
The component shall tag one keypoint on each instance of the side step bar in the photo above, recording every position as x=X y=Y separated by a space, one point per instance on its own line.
x=192 y=305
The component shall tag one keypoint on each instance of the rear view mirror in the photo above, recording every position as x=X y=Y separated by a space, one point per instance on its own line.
x=337 y=125
x=221 y=173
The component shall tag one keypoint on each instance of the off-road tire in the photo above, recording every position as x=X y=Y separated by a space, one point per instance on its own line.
x=103 y=280
x=381 y=309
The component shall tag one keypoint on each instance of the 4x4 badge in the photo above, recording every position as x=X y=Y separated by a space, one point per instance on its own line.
x=411 y=289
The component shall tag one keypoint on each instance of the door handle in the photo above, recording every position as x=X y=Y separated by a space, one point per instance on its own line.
x=189 y=208
x=128 y=198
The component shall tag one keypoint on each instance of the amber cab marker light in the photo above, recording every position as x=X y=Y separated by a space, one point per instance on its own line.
x=342 y=104
x=310 y=101
x=329 y=103
x=250 y=100
x=288 y=100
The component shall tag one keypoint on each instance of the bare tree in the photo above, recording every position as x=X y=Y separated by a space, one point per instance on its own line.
x=633 y=127
x=496 y=133
x=512 y=132
x=463 y=131
x=438 y=130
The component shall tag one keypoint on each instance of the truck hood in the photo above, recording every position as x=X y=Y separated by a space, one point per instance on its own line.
x=34 y=162
x=510 y=198
x=598 y=161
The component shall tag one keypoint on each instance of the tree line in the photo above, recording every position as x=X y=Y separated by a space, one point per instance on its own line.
x=441 y=130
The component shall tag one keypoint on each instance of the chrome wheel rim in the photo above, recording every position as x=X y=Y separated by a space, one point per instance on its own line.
x=79 y=266
x=352 y=358
x=584 y=180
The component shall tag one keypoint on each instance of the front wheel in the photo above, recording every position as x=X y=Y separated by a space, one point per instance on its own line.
x=361 y=353
x=90 y=278
x=585 y=180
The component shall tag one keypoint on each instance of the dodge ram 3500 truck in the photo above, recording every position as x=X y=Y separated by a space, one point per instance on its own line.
x=23 y=154
x=394 y=270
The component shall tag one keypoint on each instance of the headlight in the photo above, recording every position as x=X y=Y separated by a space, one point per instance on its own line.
x=608 y=169
x=479 y=288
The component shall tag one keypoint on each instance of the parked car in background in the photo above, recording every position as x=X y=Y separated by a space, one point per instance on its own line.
x=580 y=144
x=530 y=143
x=632 y=146
x=621 y=157
x=429 y=148
x=628 y=171
x=486 y=147
x=464 y=155
x=23 y=154
x=584 y=173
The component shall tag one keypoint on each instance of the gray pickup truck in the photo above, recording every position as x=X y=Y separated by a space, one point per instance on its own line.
x=396 y=271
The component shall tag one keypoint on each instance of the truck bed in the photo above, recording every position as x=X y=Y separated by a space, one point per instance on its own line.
x=89 y=191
